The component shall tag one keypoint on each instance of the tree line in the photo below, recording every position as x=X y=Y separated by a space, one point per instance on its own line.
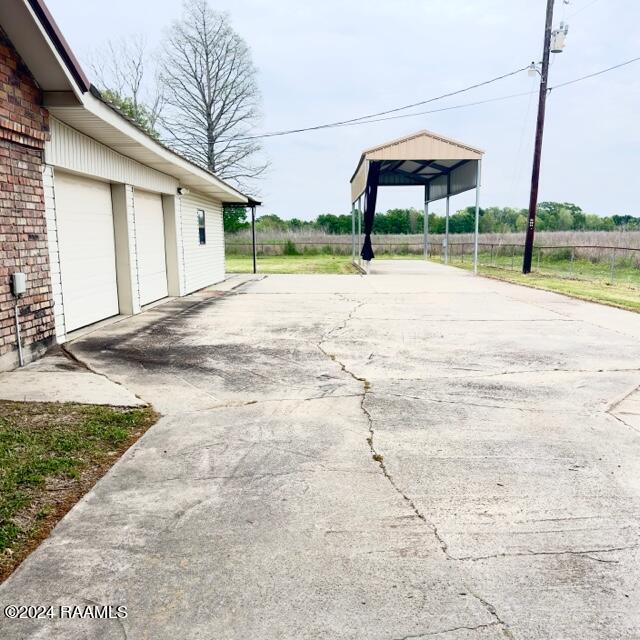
x=551 y=216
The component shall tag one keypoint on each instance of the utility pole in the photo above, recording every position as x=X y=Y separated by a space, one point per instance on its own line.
x=537 y=151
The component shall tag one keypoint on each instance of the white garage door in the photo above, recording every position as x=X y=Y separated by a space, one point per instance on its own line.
x=152 y=263
x=87 y=250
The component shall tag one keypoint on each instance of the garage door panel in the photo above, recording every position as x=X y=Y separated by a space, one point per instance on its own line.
x=150 y=242
x=87 y=250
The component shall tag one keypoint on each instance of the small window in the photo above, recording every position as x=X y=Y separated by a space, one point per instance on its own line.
x=202 y=231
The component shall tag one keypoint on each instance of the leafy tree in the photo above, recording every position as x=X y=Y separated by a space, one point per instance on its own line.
x=235 y=219
x=271 y=222
x=553 y=216
x=138 y=113
x=626 y=222
x=330 y=223
x=436 y=223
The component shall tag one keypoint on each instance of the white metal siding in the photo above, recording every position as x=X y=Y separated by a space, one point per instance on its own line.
x=71 y=150
x=54 y=254
x=152 y=263
x=86 y=249
x=203 y=264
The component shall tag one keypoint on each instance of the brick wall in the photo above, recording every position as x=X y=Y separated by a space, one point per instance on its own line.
x=23 y=229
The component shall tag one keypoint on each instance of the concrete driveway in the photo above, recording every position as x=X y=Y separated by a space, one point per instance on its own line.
x=413 y=454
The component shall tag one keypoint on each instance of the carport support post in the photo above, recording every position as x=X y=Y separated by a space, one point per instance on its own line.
x=446 y=233
x=353 y=232
x=359 y=229
x=475 y=240
x=425 y=224
x=253 y=237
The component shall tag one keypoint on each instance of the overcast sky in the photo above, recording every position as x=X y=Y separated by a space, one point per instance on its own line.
x=337 y=59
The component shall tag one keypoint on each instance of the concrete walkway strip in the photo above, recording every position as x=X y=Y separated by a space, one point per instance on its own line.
x=56 y=378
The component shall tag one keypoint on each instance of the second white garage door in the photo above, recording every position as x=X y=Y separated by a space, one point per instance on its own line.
x=87 y=250
x=152 y=263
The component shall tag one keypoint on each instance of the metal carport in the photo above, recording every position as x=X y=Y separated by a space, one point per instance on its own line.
x=445 y=168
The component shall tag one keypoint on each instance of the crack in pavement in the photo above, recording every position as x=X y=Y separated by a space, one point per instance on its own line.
x=379 y=458
x=492 y=611
x=67 y=353
x=584 y=552
x=611 y=409
x=234 y=404
x=552 y=370
x=617 y=402
x=624 y=422
x=428 y=634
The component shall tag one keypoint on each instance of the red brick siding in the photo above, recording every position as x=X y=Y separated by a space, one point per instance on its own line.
x=23 y=229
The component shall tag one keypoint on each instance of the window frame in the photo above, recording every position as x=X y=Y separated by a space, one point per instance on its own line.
x=202 y=226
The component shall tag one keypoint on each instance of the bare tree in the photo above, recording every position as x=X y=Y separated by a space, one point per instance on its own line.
x=124 y=71
x=211 y=94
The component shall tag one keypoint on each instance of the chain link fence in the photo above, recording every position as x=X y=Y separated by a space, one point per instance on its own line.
x=588 y=262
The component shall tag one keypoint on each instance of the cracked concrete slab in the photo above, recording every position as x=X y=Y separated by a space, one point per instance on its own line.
x=413 y=454
x=57 y=378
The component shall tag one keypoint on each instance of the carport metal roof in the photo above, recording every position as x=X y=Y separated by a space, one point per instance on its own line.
x=447 y=166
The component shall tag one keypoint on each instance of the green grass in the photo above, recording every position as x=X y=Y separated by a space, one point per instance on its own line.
x=614 y=294
x=558 y=264
x=291 y=264
x=50 y=454
x=582 y=279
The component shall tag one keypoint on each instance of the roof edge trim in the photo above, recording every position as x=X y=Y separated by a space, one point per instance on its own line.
x=62 y=47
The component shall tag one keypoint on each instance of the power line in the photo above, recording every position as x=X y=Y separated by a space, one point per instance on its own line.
x=379 y=113
x=409 y=115
x=581 y=9
x=360 y=121
x=596 y=73
x=449 y=108
x=373 y=118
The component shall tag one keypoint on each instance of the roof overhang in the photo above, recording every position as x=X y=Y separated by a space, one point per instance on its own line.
x=104 y=124
x=250 y=203
x=33 y=32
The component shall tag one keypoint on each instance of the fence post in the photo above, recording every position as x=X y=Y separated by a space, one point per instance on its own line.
x=513 y=250
x=613 y=265
x=573 y=250
x=491 y=256
x=539 y=250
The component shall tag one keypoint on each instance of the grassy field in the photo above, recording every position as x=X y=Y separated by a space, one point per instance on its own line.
x=291 y=264
x=559 y=263
x=579 y=278
x=583 y=279
x=619 y=294
x=50 y=456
